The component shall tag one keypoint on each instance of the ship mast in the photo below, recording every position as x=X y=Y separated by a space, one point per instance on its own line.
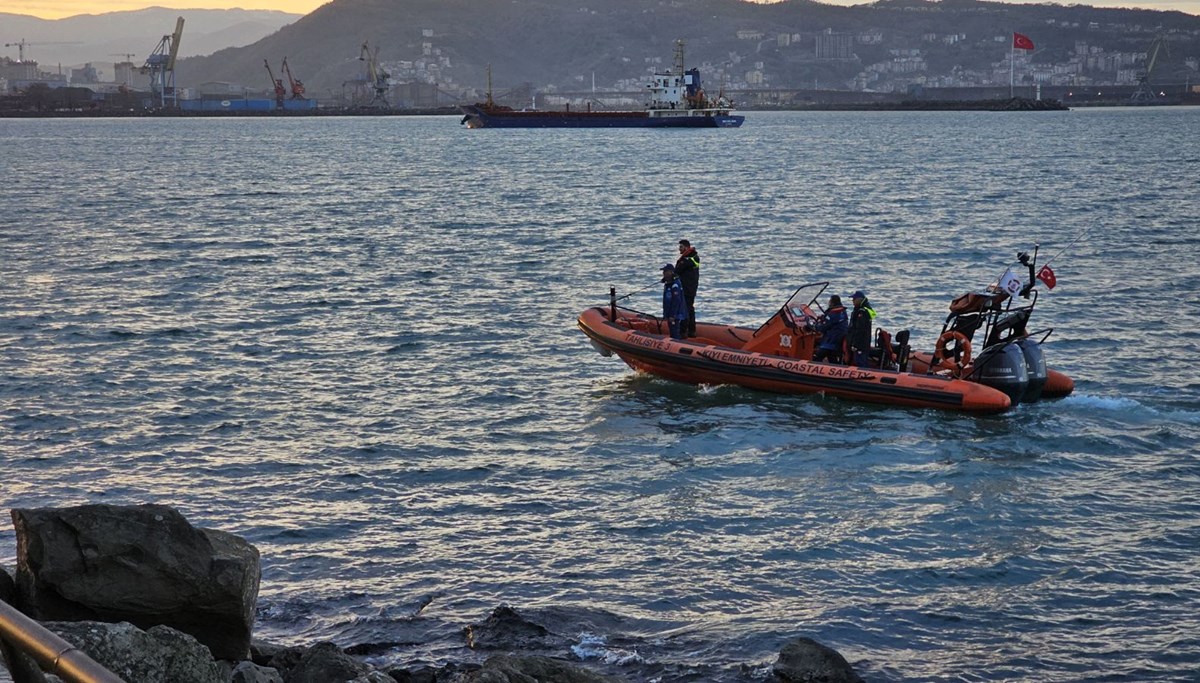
x=490 y=103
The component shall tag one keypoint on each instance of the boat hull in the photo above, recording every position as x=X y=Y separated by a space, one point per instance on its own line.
x=715 y=357
x=1058 y=384
x=477 y=117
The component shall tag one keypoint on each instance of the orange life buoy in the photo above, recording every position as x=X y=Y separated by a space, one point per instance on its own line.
x=939 y=351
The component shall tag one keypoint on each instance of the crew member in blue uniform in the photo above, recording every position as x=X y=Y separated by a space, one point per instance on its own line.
x=859 y=337
x=675 y=310
x=832 y=326
x=687 y=269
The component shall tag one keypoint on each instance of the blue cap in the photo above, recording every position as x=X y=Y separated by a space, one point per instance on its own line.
x=668 y=266
x=858 y=295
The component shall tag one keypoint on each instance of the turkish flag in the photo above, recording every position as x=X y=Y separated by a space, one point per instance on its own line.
x=1046 y=275
x=1022 y=42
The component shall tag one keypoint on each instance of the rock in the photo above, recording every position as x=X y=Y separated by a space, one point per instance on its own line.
x=249 y=672
x=285 y=659
x=326 y=663
x=505 y=629
x=143 y=564
x=804 y=660
x=7 y=587
x=455 y=672
x=533 y=669
x=137 y=656
x=424 y=674
x=261 y=652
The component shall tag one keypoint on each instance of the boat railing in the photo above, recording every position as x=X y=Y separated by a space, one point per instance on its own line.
x=52 y=653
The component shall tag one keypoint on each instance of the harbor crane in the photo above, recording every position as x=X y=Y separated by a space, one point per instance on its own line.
x=296 y=85
x=161 y=67
x=278 y=84
x=377 y=77
x=1144 y=91
x=22 y=44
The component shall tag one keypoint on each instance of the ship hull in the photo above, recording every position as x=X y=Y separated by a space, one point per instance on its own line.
x=477 y=117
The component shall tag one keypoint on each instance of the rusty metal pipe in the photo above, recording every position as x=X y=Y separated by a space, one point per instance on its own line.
x=54 y=654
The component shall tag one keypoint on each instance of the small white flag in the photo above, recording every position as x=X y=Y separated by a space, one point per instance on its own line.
x=1010 y=284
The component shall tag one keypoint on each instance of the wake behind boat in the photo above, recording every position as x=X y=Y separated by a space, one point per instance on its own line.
x=778 y=355
x=677 y=100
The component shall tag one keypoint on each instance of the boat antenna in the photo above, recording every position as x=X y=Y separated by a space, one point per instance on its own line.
x=1077 y=238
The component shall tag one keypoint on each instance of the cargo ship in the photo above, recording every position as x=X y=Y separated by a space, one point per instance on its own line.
x=677 y=100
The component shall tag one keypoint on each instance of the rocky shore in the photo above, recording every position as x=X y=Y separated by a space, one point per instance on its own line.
x=153 y=599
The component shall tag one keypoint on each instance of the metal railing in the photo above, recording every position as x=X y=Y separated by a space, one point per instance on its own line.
x=54 y=654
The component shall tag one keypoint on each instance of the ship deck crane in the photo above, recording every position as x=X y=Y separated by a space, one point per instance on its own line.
x=280 y=92
x=161 y=67
x=296 y=85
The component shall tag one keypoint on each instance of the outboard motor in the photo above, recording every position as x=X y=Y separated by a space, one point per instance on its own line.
x=1035 y=361
x=1002 y=367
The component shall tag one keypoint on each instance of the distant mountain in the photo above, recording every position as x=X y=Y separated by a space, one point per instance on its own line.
x=105 y=38
x=564 y=44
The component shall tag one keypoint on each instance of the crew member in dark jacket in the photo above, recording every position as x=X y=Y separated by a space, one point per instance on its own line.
x=832 y=327
x=687 y=269
x=674 y=302
x=859 y=337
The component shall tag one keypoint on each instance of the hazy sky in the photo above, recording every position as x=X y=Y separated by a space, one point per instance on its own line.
x=56 y=9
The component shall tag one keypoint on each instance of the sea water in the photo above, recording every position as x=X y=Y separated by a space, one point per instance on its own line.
x=352 y=341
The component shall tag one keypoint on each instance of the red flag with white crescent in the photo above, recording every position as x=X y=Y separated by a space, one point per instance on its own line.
x=1047 y=276
x=1022 y=42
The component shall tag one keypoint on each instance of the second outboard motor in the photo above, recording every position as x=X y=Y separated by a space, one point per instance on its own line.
x=1035 y=362
x=1002 y=367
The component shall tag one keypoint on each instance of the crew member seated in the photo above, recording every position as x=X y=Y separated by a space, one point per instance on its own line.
x=832 y=326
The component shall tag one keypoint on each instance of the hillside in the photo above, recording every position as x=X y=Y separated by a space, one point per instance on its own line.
x=104 y=38
x=564 y=44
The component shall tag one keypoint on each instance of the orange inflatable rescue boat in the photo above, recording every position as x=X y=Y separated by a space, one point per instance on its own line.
x=777 y=357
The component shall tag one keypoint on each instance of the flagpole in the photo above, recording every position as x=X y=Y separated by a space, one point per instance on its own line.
x=1012 y=59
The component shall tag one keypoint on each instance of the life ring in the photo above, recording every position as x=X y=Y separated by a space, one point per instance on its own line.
x=939 y=351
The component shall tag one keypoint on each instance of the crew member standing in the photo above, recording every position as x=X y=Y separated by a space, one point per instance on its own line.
x=687 y=269
x=859 y=337
x=674 y=302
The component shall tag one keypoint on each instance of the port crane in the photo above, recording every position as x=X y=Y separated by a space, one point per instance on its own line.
x=1145 y=92
x=161 y=67
x=377 y=77
x=278 y=84
x=296 y=85
x=22 y=44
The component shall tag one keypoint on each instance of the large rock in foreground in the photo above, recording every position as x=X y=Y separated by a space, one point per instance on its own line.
x=804 y=660
x=142 y=564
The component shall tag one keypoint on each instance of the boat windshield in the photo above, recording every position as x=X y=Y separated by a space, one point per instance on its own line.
x=800 y=303
x=797 y=310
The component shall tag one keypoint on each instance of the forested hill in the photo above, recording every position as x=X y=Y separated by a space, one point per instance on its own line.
x=564 y=44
